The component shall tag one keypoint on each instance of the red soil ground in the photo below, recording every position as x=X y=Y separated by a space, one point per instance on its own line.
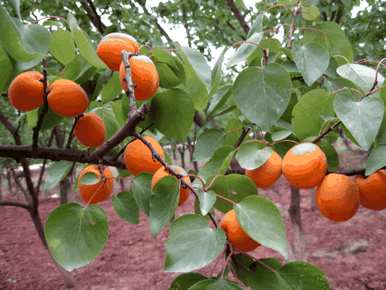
x=352 y=254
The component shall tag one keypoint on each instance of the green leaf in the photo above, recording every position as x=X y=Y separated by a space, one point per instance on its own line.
x=199 y=64
x=141 y=189
x=207 y=143
x=107 y=114
x=218 y=163
x=260 y=275
x=331 y=154
x=32 y=118
x=36 y=38
x=360 y=75
x=11 y=38
x=331 y=36
x=193 y=82
x=280 y=135
x=310 y=12
x=217 y=72
x=184 y=281
x=192 y=244
x=262 y=95
x=376 y=159
x=309 y=113
x=219 y=99
x=250 y=155
x=234 y=187
x=6 y=69
x=89 y=178
x=172 y=112
x=303 y=276
x=126 y=207
x=86 y=48
x=362 y=118
x=170 y=69
x=212 y=284
x=56 y=171
x=311 y=60
x=257 y=25
x=62 y=46
x=245 y=49
x=75 y=234
x=111 y=89
x=163 y=203
x=261 y=220
x=207 y=200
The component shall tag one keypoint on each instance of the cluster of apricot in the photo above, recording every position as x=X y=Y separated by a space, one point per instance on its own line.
x=66 y=98
x=305 y=166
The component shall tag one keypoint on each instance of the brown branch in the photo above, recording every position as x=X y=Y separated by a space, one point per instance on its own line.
x=295 y=13
x=42 y=170
x=325 y=132
x=55 y=154
x=298 y=245
x=44 y=109
x=71 y=135
x=127 y=130
x=236 y=12
x=244 y=134
x=92 y=14
x=15 y=203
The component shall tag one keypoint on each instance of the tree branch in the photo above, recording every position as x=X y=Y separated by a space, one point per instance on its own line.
x=236 y=12
x=55 y=154
x=15 y=203
x=92 y=14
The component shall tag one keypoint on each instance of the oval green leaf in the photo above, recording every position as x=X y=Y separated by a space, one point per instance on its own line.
x=75 y=234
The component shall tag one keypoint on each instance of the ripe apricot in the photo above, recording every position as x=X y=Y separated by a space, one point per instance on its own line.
x=372 y=190
x=90 y=130
x=111 y=46
x=162 y=172
x=138 y=157
x=235 y=234
x=93 y=193
x=304 y=165
x=267 y=174
x=144 y=75
x=66 y=98
x=337 y=197
x=26 y=91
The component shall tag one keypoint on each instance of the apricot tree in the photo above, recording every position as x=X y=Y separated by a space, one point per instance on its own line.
x=277 y=108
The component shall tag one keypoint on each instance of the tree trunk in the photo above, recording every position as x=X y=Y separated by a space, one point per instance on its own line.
x=298 y=243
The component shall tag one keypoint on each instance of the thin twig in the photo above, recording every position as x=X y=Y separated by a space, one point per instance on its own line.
x=71 y=135
x=43 y=110
x=14 y=203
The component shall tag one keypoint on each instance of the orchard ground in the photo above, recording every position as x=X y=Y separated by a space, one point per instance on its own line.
x=351 y=253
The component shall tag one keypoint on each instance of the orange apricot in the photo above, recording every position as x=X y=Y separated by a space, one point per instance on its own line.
x=304 y=165
x=267 y=174
x=144 y=75
x=372 y=190
x=235 y=234
x=67 y=99
x=26 y=91
x=162 y=172
x=138 y=157
x=337 y=197
x=111 y=46
x=90 y=130
x=100 y=191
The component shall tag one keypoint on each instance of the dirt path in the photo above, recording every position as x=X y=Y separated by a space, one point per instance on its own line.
x=353 y=254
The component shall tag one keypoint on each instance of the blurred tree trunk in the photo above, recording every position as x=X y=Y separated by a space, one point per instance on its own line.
x=298 y=243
